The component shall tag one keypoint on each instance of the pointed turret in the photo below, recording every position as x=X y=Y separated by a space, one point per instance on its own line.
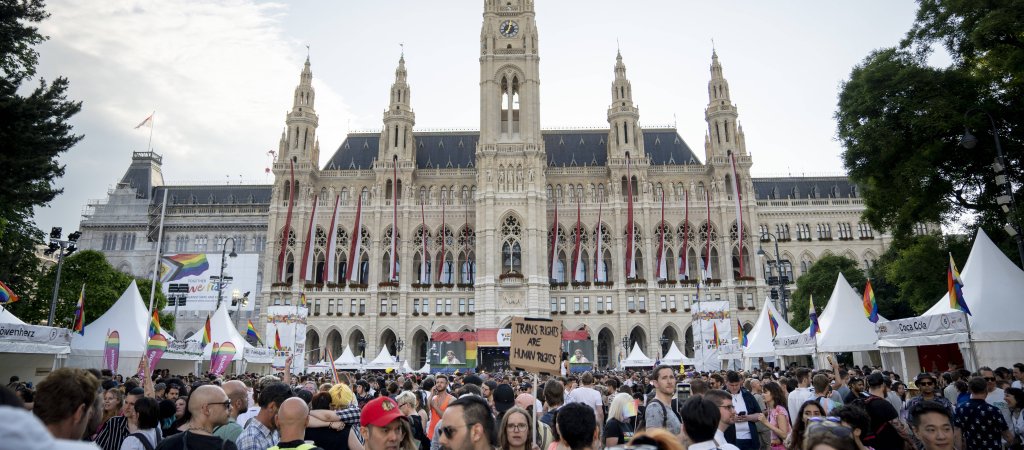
x=299 y=138
x=624 y=133
x=396 y=138
x=721 y=114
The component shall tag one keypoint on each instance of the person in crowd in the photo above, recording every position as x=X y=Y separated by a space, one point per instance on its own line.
x=1015 y=403
x=701 y=422
x=660 y=411
x=856 y=390
x=618 y=430
x=239 y=396
x=291 y=424
x=800 y=394
x=554 y=397
x=504 y=399
x=1018 y=376
x=856 y=419
x=115 y=429
x=950 y=391
x=182 y=417
x=927 y=386
x=65 y=402
x=439 y=401
x=468 y=425
x=996 y=396
x=514 y=431
x=209 y=407
x=488 y=392
x=822 y=394
x=900 y=388
x=577 y=427
x=808 y=410
x=777 y=416
x=659 y=439
x=407 y=405
x=932 y=424
x=336 y=435
x=261 y=432
x=980 y=424
x=173 y=392
x=143 y=417
x=589 y=396
x=888 y=430
x=743 y=432
x=113 y=403
x=828 y=435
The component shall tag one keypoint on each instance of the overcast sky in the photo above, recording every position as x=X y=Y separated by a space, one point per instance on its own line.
x=220 y=75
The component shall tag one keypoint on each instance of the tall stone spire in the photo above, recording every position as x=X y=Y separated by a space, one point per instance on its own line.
x=396 y=138
x=724 y=134
x=299 y=138
x=624 y=133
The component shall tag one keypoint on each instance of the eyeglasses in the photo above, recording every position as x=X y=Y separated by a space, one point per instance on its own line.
x=517 y=426
x=990 y=379
x=225 y=403
x=728 y=407
x=449 y=431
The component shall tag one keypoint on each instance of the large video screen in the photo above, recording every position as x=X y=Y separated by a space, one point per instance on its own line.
x=191 y=280
x=447 y=353
x=580 y=352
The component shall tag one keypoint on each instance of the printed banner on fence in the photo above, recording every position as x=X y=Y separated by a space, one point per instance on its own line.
x=290 y=323
x=536 y=345
x=713 y=320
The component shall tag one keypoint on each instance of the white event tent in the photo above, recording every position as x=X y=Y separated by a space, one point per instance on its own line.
x=222 y=330
x=760 y=342
x=992 y=290
x=30 y=351
x=129 y=316
x=674 y=357
x=383 y=361
x=347 y=361
x=637 y=358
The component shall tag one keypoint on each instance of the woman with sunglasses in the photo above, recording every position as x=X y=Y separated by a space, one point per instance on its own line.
x=808 y=410
x=826 y=433
x=515 y=432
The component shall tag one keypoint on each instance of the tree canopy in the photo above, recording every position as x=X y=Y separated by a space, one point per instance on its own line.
x=819 y=281
x=103 y=286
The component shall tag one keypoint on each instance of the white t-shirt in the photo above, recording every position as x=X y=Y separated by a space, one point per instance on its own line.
x=132 y=443
x=587 y=396
x=742 y=428
x=997 y=398
x=796 y=399
x=1016 y=384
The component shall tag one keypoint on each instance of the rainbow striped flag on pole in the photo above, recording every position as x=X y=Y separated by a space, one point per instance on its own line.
x=870 y=305
x=251 y=332
x=741 y=332
x=79 y=325
x=6 y=294
x=955 y=285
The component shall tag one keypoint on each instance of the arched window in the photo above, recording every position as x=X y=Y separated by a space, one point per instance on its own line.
x=511 y=250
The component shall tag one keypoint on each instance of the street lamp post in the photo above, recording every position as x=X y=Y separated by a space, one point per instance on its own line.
x=62 y=248
x=223 y=264
x=782 y=280
x=1005 y=201
x=362 y=350
x=239 y=300
x=398 y=349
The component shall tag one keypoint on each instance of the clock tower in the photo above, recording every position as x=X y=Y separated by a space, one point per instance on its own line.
x=511 y=202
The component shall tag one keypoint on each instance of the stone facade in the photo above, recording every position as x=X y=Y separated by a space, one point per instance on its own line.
x=489 y=199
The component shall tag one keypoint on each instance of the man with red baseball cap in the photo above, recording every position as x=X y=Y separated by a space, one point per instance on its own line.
x=382 y=425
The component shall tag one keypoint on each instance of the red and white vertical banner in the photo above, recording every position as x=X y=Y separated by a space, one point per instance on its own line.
x=393 y=275
x=739 y=210
x=424 y=273
x=330 y=274
x=578 y=273
x=684 y=266
x=308 y=272
x=357 y=244
x=598 y=253
x=707 y=255
x=554 y=244
x=630 y=251
x=662 y=264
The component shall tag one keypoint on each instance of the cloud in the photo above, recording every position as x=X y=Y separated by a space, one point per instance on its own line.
x=219 y=74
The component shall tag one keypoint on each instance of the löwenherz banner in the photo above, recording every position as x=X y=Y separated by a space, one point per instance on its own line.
x=34 y=333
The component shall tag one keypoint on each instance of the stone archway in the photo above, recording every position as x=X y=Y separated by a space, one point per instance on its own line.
x=688 y=345
x=420 y=342
x=668 y=336
x=638 y=337
x=355 y=338
x=313 y=347
x=387 y=339
x=333 y=342
x=606 y=348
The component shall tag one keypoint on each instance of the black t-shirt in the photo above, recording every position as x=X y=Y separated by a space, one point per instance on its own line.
x=616 y=429
x=327 y=438
x=881 y=412
x=195 y=442
x=294 y=444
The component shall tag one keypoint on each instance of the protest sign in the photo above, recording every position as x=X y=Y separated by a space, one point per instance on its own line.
x=536 y=345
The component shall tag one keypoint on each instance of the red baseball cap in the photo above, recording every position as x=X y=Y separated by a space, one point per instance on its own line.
x=379 y=412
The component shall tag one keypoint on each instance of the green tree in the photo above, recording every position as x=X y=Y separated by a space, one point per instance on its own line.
x=900 y=120
x=819 y=281
x=103 y=286
x=916 y=268
x=34 y=131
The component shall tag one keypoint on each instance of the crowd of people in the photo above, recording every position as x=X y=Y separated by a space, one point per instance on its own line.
x=842 y=408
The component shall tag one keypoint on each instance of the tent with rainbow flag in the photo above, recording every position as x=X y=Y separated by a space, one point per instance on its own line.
x=30 y=351
x=761 y=339
x=991 y=335
x=222 y=330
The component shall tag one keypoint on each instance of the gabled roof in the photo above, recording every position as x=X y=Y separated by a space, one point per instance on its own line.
x=585 y=147
x=804 y=187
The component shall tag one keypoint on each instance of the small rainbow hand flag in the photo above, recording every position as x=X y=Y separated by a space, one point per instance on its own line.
x=251 y=332
x=815 y=328
x=870 y=305
x=277 y=341
x=715 y=334
x=956 y=295
x=206 y=332
x=773 y=324
x=741 y=332
x=79 y=325
x=6 y=294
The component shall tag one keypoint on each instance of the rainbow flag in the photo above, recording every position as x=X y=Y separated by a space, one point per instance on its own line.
x=188 y=264
x=277 y=341
x=773 y=324
x=6 y=294
x=715 y=334
x=741 y=332
x=79 y=325
x=206 y=332
x=870 y=305
x=154 y=324
x=815 y=328
x=251 y=332
x=956 y=295
x=302 y=300
x=111 y=351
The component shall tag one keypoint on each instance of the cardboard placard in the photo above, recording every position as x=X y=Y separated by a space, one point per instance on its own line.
x=536 y=345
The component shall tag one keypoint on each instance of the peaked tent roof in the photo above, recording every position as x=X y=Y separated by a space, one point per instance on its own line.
x=760 y=342
x=637 y=358
x=992 y=287
x=844 y=327
x=7 y=317
x=129 y=316
x=406 y=368
x=796 y=344
x=384 y=360
x=222 y=329
x=674 y=357
x=20 y=337
x=347 y=360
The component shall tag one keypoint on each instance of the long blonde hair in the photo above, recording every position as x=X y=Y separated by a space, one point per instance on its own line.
x=617 y=409
x=503 y=430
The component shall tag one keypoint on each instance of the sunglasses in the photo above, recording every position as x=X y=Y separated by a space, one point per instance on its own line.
x=225 y=403
x=990 y=379
x=449 y=431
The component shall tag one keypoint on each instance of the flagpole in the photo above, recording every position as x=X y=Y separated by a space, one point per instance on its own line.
x=156 y=261
x=970 y=341
x=152 y=125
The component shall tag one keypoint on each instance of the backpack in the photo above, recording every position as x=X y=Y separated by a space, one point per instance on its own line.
x=664 y=411
x=875 y=429
x=144 y=440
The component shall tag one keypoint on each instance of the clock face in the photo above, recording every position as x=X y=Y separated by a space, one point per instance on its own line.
x=509 y=28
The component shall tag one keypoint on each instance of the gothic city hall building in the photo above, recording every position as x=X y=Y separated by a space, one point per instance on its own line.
x=404 y=233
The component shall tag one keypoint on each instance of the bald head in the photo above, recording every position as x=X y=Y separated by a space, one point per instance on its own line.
x=235 y=387
x=208 y=407
x=238 y=393
x=291 y=419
